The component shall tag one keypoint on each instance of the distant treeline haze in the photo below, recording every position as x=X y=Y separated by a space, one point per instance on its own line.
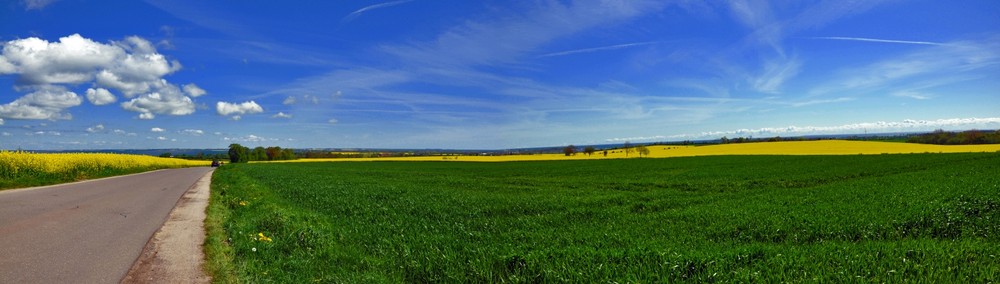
x=970 y=137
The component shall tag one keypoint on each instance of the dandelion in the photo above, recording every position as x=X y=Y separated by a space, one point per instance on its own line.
x=262 y=237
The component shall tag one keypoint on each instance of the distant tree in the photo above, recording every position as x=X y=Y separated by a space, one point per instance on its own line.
x=166 y=155
x=273 y=153
x=973 y=137
x=628 y=148
x=258 y=154
x=942 y=137
x=238 y=153
x=643 y=151
x=287 y=154
x=569 y=150
x=724 y=140
x=605 y=153
x=589 y=150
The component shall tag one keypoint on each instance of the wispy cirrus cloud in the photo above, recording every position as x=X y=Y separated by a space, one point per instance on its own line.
x=475 y=43
x=911 y=94
x=758 y=16
x=817 y=102
x=243 y=41
x=768 y=29
x=359 y=12
x=37 y=4
x=775 y=73
x=942 y=64
x=505 y=39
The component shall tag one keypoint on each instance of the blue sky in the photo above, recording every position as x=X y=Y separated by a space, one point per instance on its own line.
x=77 y=74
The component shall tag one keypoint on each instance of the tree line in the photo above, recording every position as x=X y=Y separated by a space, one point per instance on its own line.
x=241 y=154
x=970 y=137
x=642 y=150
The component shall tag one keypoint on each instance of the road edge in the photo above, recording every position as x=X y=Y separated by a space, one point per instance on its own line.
x=175 y=252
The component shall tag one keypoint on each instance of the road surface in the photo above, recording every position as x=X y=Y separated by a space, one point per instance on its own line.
x=88 y=232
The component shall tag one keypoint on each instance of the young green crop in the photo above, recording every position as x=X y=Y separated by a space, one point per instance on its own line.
x=880 y=218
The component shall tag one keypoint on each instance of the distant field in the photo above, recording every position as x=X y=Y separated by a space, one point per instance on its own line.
x=822 y=147
x=853 y=218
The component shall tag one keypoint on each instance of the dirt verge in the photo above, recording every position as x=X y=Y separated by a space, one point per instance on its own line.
x=174 y=254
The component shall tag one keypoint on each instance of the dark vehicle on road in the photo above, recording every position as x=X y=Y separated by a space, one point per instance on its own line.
x=216 y=163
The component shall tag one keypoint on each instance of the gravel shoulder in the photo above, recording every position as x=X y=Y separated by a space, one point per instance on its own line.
x=175 y=253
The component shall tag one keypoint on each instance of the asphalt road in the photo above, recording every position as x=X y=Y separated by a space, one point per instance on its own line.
x=88 y=232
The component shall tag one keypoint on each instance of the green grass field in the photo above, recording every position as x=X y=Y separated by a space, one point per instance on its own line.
x=873 y=218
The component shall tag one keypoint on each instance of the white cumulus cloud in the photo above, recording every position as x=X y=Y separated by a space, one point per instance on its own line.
x=73 y=59
x=194 y=91
x=249 y=138
x=194 y=132
x=171 y=102
x=100 y=96
x=96 y=128
x=47 y=102
x=157 y=129
x=131 y=66
x=282 y=115
x=226 y=109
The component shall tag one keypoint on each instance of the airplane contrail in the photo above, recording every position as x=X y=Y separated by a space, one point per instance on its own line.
x=593 y=49
x=879 y=40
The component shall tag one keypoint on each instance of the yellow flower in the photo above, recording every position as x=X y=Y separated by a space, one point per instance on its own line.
x=243 y=203
x=16 y=164
x=262 y=237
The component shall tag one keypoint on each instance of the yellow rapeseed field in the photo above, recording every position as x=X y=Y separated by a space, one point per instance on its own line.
x=821 y=147
x=17 y=164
